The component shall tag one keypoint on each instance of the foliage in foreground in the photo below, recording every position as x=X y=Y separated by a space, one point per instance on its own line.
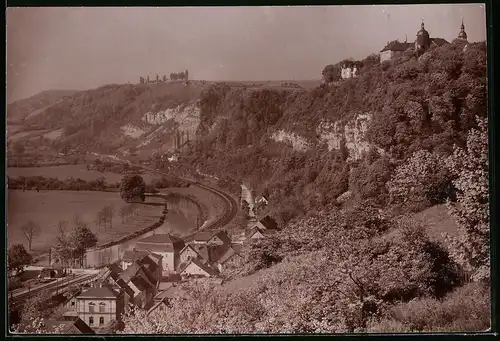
x=471 y=248
x=18 y=257
x=331 y=273
x=465 y=309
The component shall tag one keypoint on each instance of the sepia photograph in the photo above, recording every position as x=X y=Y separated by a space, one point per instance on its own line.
x=247 y=170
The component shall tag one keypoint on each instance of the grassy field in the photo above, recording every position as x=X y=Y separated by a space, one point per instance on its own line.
x=47 y=208
x=67 y=171
x=438 y=221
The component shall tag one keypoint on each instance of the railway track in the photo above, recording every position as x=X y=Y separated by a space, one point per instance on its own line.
x=56 y=286
x=231 y=207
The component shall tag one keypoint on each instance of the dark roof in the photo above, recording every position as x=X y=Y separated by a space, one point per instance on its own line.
x=154 y=247
x=102 y=292
x=70 y=325
x=156 y=305
x=155 y=257
x=269 y=223
x=161 y=239
x=133 y=255
x=140 y=283
x=130 y=272
x=439 y=41
x=396 y=46
x=207 y=236
x=168 y=293
x=128 y=290
x=228 y=255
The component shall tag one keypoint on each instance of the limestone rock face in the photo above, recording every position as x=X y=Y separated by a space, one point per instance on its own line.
x=297 y=142
x=352 y=135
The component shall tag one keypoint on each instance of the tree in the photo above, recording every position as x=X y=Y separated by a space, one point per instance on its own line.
x=164 y=78
x=470 y=165
x=421 y=181
x=331 y=73
x=132 y=187
x=18 y=257
x=82 y=238
x=30 y=230
x=186 y=75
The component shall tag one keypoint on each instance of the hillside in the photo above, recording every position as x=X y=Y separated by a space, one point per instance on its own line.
x=306 y=146
x=19 y=110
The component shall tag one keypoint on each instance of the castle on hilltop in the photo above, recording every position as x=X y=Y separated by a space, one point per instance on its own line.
x=422 y=43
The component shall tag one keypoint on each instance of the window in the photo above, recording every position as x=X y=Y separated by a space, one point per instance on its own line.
x=91 y=307
x=102 y=307
x=91 y=320
x=72 y=303
x=161 y=308
x=101 y=320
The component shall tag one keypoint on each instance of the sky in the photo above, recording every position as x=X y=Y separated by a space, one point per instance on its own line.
x=81 y=48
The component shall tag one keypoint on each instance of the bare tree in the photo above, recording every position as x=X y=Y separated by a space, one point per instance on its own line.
x=30 y=230
x=108 y=212
x=123 y=213
x=62 y=227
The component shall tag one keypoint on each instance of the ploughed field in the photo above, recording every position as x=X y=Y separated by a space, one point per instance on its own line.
x=47 y=208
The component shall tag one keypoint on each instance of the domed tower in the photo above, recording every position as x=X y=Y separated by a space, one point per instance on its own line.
x=423 y=40
x=462 y=34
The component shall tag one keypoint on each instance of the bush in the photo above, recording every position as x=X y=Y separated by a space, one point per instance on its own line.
x=447 y=315
x=14 y=283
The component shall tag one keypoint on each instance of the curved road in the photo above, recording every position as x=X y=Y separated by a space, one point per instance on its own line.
x=231 y=206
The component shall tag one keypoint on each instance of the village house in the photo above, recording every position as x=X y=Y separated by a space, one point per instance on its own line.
x=68 y=325
x=267 y=223
x=165 y=245
x=99 y=306
x=142 y=283
x=187 y=253
x=163 y=299
x=197 y=267
x=258 y=233
x=211 y=238
x=152 y=260
x=394 y=49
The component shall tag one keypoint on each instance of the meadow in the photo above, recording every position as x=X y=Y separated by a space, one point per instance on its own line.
x=66 y=171
x=47 y=208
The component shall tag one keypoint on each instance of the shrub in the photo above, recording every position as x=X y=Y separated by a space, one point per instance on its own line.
x=447 y=315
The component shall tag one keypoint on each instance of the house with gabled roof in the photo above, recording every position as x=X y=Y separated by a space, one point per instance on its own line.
x=189 y=251
x=212 y=238
x=258 y=233
x=98 y=306
x=165 y=245
x=198 y=268
x=159 y=306
x=141 y=282
x=231 y=254
x=130 y=256
x=267 y=223
x=68 y=325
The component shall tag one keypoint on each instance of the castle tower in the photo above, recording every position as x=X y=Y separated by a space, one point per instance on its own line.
x=462 y=34
x=423 y=41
